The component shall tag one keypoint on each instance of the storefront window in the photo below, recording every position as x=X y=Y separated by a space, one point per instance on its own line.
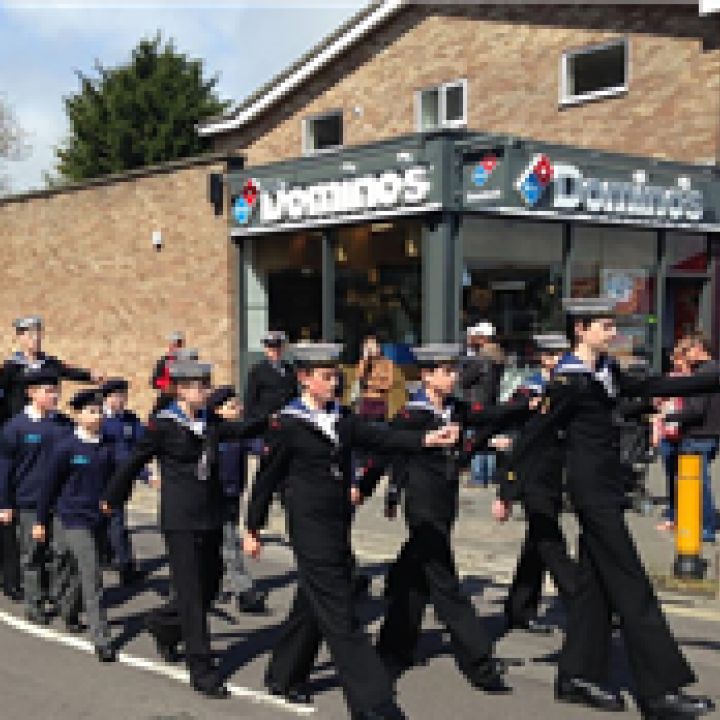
x=378 y=286
x=512 y=276
x=686 y=252
x=622 y=264
x=284 y=287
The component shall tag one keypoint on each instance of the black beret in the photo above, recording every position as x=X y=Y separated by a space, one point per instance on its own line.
x=41 y=376
x=83 y=398
x=114 y=385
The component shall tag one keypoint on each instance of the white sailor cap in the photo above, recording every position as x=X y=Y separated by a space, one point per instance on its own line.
x=317 y=354
x=550 y=342
x=190 y=354
x=590 y=307
x=481 y=329
x=274 y=337
x=30 y=322
x=176 y=336
x=437 y=354
x=190 y=370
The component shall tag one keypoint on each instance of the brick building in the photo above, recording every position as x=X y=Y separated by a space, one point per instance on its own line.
x=424 y=166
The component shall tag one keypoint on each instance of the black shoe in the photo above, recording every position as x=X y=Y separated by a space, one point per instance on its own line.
x=38 y=617
x=168 y=652
x=676 y=705
x=14 y=594
x=361 y=584
x=493 y=683
x=252 y=601
x=105 y=653
x=297 y=695
x=130 y=575
x=388 y=711
x=213 y=688
x=74 y=626
x=580 y=692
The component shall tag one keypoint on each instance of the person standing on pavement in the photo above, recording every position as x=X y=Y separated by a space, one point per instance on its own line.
x=160 y=379
x=538 y=484
x=481 y=371
x=583 y=397
x=375 y=377
x=425 y=569
x=700 y=423
x=78 y=469
x=26 y=442
x=124 y=429
x=184 y=440
x=309 y=457
x=232 y=462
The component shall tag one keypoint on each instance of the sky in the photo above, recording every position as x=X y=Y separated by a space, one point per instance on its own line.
x=43 y=44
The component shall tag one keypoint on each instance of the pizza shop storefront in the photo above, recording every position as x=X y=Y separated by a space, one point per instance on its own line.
x=418 y=237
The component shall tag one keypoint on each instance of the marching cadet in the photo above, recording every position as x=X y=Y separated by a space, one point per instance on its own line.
x=538 y=484
x=78 y=469
x=310 y=459
x=28 y=357
x=585 y=391
x=124 y=429
x=24 y=446
x=184 y=440
x=425 y=569
x=232 y=462
x=271 y=383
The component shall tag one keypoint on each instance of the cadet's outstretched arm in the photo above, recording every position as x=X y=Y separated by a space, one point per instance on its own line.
x=663 y=386
x=380 y=437
x=242 y=429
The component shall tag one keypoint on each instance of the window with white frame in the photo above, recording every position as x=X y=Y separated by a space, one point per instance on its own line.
x=594 y=72
x=442 y=106
x=323 y=132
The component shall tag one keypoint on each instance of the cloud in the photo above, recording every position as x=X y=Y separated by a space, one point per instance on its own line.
x=244 y=43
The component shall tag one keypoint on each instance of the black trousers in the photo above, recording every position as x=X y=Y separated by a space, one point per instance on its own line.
x=10 y=557
x=611 y=577
x=323 y=610
x=544 y=550
x=195 y=572
x=425 y=572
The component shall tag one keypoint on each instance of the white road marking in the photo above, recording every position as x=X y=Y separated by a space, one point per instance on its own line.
x=168 y=671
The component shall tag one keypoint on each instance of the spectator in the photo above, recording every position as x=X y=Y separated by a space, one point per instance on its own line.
x=666 y=435
x=161 y=375
x=700 y=423
x=376 y=377
x=481 y=371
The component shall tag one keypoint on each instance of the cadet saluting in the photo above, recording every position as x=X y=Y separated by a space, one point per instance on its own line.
x=587 y=387
x=425 y=569
x=184 y=440
x=538 y=484
x=309 y=456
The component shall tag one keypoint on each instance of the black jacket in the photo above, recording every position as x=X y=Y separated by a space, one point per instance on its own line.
x=191 y=492
x=431 y=480
x=267 y=389
x=581 y=405
x=700 y=415
x=313 y=471
x=480 y=378
x=14 y=396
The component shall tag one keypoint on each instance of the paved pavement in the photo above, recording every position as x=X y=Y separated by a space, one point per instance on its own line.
x=49 y=675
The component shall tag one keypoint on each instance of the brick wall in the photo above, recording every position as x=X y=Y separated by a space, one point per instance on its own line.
x=511 y=57
x=84 y=260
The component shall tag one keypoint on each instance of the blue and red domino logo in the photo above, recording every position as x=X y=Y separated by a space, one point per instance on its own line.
x=481 y=173
x=534 y=180
x=244 y=204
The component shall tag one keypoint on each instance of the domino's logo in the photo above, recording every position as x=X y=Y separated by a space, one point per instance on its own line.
x=244 y=205
x=534 y=181
x=481 y=173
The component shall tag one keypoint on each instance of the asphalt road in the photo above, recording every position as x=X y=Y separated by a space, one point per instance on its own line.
x=48 y=675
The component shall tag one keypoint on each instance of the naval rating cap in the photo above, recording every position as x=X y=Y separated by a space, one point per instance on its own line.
x=550 y=342
x=274 y=338
x=190 y=370
x=590 y=307
x=28 y=322
x=434 y=354
x=40 y=376
x=83 y=398
x=317 y=354
x=187 y=354
x=114 y=385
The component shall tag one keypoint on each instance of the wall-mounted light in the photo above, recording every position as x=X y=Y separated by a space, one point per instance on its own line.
x=157 y=239
x=411 y=247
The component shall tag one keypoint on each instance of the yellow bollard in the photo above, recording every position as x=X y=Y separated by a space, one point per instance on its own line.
x=688 y=525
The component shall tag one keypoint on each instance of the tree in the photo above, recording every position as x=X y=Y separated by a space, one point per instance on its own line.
x=137 y=114
x=13 y=141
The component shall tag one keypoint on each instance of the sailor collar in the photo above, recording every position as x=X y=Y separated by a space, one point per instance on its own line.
x=19 y=358
x=422 y=402
x=571 y=364
x=535 y=383
x=84 y=436
x=323 y=420
x=175 y=413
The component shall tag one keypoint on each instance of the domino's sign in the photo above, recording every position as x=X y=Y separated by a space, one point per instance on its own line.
x=265 y=205
x=635 y=197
